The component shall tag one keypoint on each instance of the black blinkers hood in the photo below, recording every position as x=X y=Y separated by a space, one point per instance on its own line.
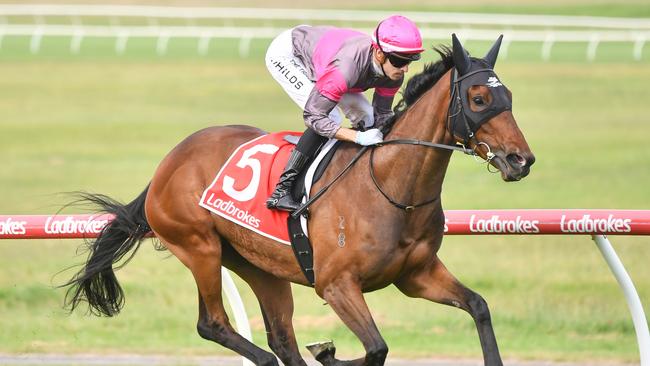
x=468 y=72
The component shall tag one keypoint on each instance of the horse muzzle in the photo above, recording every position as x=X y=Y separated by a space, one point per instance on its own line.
x=513 y=166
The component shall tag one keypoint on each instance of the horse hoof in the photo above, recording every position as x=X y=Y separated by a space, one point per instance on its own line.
x=322 y=350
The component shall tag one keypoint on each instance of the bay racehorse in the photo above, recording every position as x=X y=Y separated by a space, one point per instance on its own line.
x=458 y=99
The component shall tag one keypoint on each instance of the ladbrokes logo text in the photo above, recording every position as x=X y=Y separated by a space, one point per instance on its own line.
x=11 y=227
x=70 y=225
x=228 y=207
x=497 y=225
x=587 y=224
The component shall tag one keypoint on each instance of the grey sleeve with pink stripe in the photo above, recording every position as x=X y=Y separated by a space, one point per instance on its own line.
x=316 y=114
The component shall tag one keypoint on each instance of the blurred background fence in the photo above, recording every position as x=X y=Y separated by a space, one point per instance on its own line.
x=123 y=22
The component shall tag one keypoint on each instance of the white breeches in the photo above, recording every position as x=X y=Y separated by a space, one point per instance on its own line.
x=292 y=75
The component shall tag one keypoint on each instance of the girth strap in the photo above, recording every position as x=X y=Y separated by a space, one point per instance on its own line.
x=301 y=248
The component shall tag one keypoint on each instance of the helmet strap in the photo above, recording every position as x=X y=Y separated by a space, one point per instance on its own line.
x=381 y=64
x=375 y=58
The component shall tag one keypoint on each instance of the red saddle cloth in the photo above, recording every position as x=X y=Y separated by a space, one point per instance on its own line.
x=246 y=180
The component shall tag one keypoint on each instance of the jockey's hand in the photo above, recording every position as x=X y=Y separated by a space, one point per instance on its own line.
x=370 y=137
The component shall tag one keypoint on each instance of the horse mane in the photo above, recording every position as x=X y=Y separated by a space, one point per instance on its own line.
x=420 y=83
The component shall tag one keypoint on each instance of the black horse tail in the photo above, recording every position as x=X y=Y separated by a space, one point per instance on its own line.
x=96 y=283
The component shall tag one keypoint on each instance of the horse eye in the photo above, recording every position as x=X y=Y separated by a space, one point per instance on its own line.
x=478 y=100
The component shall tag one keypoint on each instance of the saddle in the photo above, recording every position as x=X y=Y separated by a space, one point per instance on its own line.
x=242 y=185
x=299 y=189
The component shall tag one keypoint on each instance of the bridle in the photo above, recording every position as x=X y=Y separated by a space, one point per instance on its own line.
x=460 y=123
x=464 y=129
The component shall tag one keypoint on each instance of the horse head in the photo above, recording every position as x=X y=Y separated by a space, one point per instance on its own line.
x=480 y=113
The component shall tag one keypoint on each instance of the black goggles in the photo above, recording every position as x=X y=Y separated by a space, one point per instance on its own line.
x=400 y=59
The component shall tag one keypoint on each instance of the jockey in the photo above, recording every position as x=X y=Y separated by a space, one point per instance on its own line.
x=322 y=67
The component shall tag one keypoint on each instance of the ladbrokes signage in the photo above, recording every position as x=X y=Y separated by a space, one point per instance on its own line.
x=496 y=224
x=457 y=222
x=52 y=226
x=9 y=226
x=622 y=222
x=587 y=224
x=72 y=225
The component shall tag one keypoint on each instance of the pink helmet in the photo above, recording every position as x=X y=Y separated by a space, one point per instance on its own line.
x=398 y=34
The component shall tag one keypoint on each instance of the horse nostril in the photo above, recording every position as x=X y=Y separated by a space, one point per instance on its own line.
x=531 y=160
x=516 y=160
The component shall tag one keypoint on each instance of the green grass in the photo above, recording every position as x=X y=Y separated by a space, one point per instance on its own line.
x=101 y=123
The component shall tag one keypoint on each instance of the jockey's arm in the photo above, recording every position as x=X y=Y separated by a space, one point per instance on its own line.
x=346 y=134
x=317 y=117
x=324 y=97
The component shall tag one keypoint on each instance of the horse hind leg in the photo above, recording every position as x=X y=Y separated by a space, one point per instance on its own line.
x=434 y=282
x=202 y=255
x=276 y=303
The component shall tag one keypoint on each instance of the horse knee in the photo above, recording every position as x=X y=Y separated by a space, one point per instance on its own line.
x=377 y=354
x=478 y=308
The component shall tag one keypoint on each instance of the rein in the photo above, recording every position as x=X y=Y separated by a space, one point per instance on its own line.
x=411 y=207
x=356 y=158
x=304 y=206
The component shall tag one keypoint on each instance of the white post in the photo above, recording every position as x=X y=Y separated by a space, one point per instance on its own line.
x=638 y=48
x=120 y=42
x=161 y=46
x=633 y=301
x=75 y=42
x=237 y=307
x=204 y=43
x=546 y=47
x=244 y=45
x=592 y=47
x=35 y=43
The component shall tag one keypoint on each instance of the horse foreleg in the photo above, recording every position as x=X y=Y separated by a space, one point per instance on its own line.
x=346 y=298
x=202 y=255
x=434 y=282
x=276 y=302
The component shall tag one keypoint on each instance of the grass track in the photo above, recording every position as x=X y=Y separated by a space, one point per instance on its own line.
x=102 y=123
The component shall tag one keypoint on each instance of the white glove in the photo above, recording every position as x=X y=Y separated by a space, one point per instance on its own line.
x=370 y=137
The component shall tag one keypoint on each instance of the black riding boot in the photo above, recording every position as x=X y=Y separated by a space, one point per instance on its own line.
x=281 y=198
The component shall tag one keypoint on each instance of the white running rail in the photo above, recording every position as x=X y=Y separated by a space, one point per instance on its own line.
x=333 y=15
x=547 y=29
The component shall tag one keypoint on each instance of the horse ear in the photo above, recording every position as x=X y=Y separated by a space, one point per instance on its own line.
x=491 y=56
x=460 y=56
